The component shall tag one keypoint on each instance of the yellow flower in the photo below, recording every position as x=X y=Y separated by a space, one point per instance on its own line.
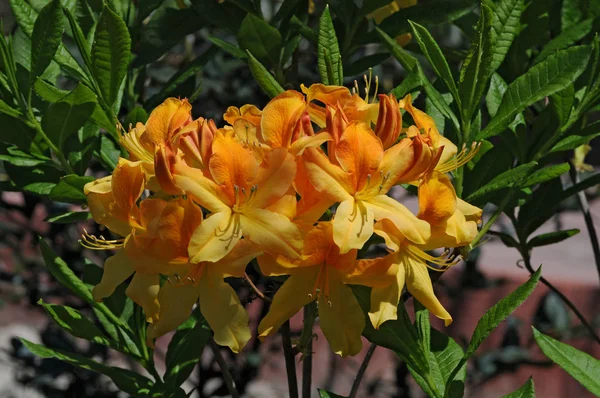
x=360 y=181
x=238 y=193
x=321 y=274
x=393 y=7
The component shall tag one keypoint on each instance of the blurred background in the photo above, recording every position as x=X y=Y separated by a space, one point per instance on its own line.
x=502 y=364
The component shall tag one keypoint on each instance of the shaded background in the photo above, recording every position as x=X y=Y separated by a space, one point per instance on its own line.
x=502 y=364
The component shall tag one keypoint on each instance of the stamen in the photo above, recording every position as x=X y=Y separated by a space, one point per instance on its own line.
x=376 y=88
x=460 y=159
x=130 y=141
x=94 y=243
x=442 y=261
x=356 y=89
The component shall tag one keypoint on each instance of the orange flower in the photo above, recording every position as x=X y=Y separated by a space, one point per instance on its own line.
x=360 y=183
x=321 y=274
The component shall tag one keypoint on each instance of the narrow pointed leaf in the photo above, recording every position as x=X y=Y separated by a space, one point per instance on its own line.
x=434 y=55
x=552 y=237
x=110 y=54
x=263 y=77
x=527 y=390
x=583 y=367
x=329 y=57
x=476 y=69
x=46 y=37
x=505 y=28
x=544 y=79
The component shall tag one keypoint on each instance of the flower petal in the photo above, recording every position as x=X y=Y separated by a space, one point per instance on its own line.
x=204 y=191
x=376 y=272
x=289 y=299
x=359 y=153
x=273 y=232
x=384 y=300
x=326 y=177
x=223 y=311
x=234 y=264
x=274 y=178
x=437 y=198
x=215 y=237
x=341 y=319
x=176 y=302
x=143 y=290
x=279 y=118
x=166 y=118
x=415 y=230
x=352 y=225
x=117 y=269
x=418 y=283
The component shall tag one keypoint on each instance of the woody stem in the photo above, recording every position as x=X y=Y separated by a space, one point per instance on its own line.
x=227 y=377
x=288 y=354
x=305 y=347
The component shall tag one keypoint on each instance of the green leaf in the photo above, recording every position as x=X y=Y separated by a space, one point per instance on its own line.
x=504 y=180
x=70 y=217
x=156 y=40
x=304 y=30
x=329 y=58
x=495 y=315
x=26 y=16
x=327 y=394
x=260 y=38
x=525 y=391
x=23 y=159
x=409 y=84
x=126 y=380
x=562 y=103
x=566 y=39
x=545 y=174
x=544 y=79
x=75 y=323
x=46 y=37
x=505 y=28
x=435 y=56
x=224 y=15
x=173 y=86
x=61 y=271
x=49 y=93
x=228 y=47
x=263 y=77
x=406 y=60
x=136 y=115
x=571 y=14
x=584 y=368
x=398 y=335
x=444 y=355
x=476 y=69
x=17 y=132
x=541 y=206
x=552 y=238
x=508 y=240
x=110 y=54
x=70 y=189
x=185 y=349
x=65 y=117
x=82 y=43
x=573 y=141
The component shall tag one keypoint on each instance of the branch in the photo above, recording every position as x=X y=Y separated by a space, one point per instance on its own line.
x=224 y=369
x=288 y=354
x=361 y=370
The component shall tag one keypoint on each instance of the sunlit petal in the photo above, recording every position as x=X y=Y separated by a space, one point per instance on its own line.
x=384 y=300
x=273 y=232
x=341 y=318
x=279 y=118
x=352 y=225
x=215 y=237
x=289 y=299
x=327 y=177
x=415 y=230
x=176 y=302
x=203 y=190
x=223 y=311
x=143 y=290
x=117 y=269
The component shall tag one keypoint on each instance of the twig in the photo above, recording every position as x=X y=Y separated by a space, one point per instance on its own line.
x=587 y=215
x=564 y=298
x=288 y=354
x=361 y=370
x=309 y=319
x=224 y=369
x=256 y=290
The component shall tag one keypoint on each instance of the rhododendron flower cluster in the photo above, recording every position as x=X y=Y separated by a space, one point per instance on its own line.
x=301 y=185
